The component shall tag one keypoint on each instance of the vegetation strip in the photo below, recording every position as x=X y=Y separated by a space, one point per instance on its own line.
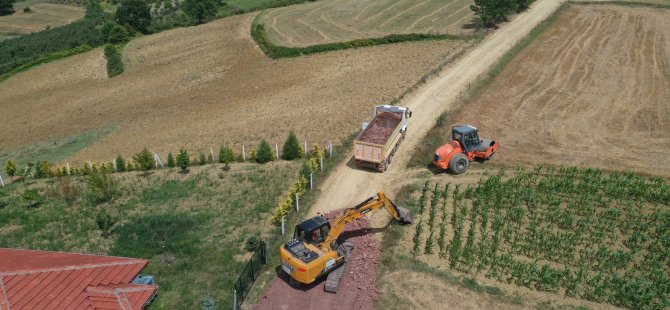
x=623 y=3
x=259 y=35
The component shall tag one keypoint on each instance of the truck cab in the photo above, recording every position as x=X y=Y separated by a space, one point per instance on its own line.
x=467 y=136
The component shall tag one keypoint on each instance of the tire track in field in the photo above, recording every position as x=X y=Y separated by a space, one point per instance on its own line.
x=384 y=10
x=353 y=32
x=413 y=25
x=401 y=13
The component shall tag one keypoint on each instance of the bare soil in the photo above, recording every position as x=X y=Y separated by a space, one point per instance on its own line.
x=592 y=91
x=357 y=288
x=198 y=87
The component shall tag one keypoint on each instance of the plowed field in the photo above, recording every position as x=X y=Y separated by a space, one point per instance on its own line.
x=344 y=20
x=198 y=87
x=592 y=91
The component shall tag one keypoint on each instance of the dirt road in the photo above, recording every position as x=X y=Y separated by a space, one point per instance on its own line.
x=347 y=185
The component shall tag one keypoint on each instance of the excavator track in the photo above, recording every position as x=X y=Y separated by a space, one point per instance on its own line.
x=335 y=276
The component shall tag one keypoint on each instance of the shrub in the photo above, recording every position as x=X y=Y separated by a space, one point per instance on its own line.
x=306 y=170
x=208 y=303
x=43 y=170
x=114 y=61
x=226 y=155
x=253 y=243
x=183 y=159
x=170 y=162
x=117 y=34
x=68 y=190
x=291 y=149
x=27 y=10
x=201 y=10
x=105 y=222
x=102 y=186
x=136 y=14
x=32 y=197
x=210 y=158
x=10 y=168
x=264 y=153
x=120 y=164
x=202 y=159
x=144 y=160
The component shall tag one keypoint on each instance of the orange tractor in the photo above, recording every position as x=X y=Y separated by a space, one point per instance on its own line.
x=464 y=147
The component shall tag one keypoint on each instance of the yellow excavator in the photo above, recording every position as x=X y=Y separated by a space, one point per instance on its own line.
x=316 y=251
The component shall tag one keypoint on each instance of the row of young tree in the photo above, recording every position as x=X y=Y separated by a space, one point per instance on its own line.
x=492 y=12
x=145 y=161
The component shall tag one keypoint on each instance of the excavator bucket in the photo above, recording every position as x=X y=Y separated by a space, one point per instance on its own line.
x=405 y=215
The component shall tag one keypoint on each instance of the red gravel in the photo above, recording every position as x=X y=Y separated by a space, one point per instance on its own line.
x=381 y=129
x=357 y=288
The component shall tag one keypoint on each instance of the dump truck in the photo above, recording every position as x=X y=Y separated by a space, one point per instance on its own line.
x=379 y=140
x=316 y=250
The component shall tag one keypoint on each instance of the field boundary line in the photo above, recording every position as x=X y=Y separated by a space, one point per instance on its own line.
x=621 y=3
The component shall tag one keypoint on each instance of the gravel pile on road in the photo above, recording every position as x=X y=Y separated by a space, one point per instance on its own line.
x=357 y=289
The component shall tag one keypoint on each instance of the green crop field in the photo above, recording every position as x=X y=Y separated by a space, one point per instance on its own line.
x=330 y=21
x=582 y=233
x=193 y=227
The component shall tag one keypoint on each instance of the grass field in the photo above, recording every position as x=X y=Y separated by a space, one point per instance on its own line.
x=192 y=227
x=176 y=93
x=330 y=21
x=591 y=90
x=43 y=14
x=572 y=233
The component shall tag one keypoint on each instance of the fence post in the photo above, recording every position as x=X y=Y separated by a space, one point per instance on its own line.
x=330 y=150
x=297 y=204
x=305 y=148
x=211 y=152
x=234 y=299
x=1 y=181
x=114 y=163
x=282 y=225
x=321 y=162
x=68 y=168
x=244 y=155
x=311 y=184
x=277 y=150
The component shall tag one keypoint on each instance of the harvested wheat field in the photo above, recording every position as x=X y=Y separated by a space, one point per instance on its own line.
x=41 y=16
x=592 y=91
x=330 y=21
x=199 y=87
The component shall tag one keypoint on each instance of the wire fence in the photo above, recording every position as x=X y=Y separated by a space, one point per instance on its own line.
x=249 y=275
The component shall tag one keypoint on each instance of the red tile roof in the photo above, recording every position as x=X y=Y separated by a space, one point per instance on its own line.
x=55 y=280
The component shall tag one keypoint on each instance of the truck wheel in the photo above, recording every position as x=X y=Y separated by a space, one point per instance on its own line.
x=458 y=163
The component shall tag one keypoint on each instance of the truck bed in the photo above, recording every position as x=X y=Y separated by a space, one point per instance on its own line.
x=381 y=128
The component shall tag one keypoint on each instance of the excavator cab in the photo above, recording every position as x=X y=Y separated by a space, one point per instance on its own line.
x=312 y=231
x=467 y=136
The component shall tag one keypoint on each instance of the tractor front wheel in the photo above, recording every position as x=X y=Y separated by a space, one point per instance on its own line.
x=459 y=163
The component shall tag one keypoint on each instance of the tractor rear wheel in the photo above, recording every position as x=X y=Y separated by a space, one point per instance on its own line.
x=458 y=163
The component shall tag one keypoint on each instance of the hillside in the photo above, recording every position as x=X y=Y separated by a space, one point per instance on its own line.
x=42 y=15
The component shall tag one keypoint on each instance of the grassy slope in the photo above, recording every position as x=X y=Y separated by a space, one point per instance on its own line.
x=200 y=220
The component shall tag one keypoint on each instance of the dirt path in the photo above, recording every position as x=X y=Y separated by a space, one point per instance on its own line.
x=347 y=186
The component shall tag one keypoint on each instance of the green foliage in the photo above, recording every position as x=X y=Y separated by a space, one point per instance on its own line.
x=27 y=10
x=6 y=7
x=226 y=155
x=183 y=159
x=10 y=168
x=291 y=149
x=114 y=61
x=210 y=158
x=32 y=198
x=145 y=160
x=150 y=235
x=105 y=222
x=43 y=169
x=68 y=190
x=492 y=12
x=29 y=50
x=134 y=13
x=202 y=159
x=120 y=163
x=200 y=10
x=102 y=186
x=264 y=153
x=117 y=34
x=306 y=170
x=170 y=161
x=259 y=35
x=253 y=243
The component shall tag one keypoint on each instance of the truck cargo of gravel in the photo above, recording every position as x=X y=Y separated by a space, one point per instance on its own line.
x=376 y=144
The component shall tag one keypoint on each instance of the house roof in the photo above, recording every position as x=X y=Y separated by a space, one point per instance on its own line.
x=56 y=280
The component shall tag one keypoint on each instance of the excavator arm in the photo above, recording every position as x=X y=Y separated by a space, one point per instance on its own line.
x=401 y=215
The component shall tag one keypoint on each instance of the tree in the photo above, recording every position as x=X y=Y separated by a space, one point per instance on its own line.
x=120 y=164
x=144 y=160
x=182 y=159
x=10 y=168
x=201 y=10
x=136 y=14
x=264 y=154
x=291 y=149
x=171 y=163
x=117 y=34
x=202 y=159
x=491 y=12
x=6 y=7
x=226 y=155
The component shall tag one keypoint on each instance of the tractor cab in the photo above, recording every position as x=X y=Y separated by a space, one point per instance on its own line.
x=312 y=231
x=467 y=136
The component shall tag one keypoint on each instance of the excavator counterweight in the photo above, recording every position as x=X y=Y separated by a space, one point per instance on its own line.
x=316 y=251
